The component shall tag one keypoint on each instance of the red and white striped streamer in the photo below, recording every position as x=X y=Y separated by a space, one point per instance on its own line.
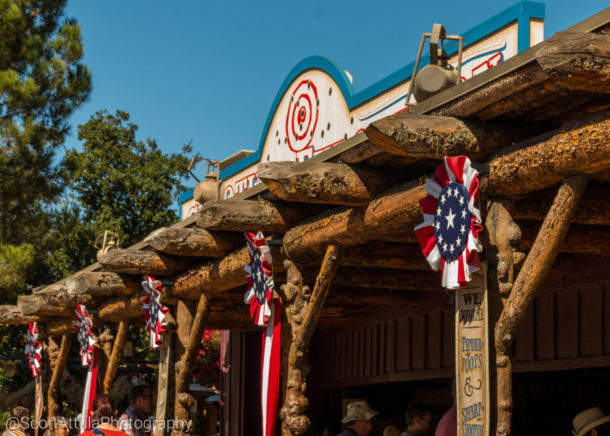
x=266 y=311
x=33 y=349
x=89 y=358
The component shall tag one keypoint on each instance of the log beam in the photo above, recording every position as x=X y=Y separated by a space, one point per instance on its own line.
x=580 y=147
x=302 y=312
x=101 y=284
x=51 y=304
x=320 y=182
x=594 y=206
x=534 y=271
x=10 y=314
x=115 y=357
x=377 y=278
x=433 y=136
x=221 y=275
x=188 y=358
x=385 y=255
x=393 y=211
x=580 y=239
x=130 y=261
x=250 y=215
x=577 y=60
x=120 y=309
x=58 y=370
x=192 y=241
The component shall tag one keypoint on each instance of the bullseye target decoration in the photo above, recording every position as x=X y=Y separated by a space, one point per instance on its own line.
x=302 y=116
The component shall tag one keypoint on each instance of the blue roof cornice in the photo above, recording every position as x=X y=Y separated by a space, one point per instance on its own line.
x=521 y=12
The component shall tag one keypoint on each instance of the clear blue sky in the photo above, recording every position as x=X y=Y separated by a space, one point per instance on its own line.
x=208 y=71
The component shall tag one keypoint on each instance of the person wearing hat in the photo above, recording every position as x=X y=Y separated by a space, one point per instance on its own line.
x=360 y=419
x=591 y=422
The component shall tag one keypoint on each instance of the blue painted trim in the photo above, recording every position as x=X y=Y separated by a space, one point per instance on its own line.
x=521 y=12
x=186 y=196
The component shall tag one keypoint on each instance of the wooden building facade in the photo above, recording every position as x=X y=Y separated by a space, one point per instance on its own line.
x=363 y=314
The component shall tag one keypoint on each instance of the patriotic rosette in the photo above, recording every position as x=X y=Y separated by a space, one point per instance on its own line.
x=266 y=312
x=448 y=236
x=260 y=279
x=33 y=349
x=154 y=311
x=86 y=339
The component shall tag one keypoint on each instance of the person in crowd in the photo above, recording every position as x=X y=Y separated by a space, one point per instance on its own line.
x=360 y=419
x=391 y=430
x=419 y=420
x=18 y=423
x=61 y=427
x=135 y=420
x=591 y=422
x=447 y=426
x=104 y=418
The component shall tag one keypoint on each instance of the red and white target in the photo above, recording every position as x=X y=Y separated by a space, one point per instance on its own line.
x=302 y=116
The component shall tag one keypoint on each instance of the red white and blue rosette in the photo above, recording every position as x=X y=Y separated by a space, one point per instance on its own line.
x=33 y=349
x=86 y=339
x=260 y=279
x=265 y=311
x=448 y=236
x=154 y=311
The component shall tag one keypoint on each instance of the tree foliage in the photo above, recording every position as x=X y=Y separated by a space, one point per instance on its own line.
x=42 y=81
x=122 y=184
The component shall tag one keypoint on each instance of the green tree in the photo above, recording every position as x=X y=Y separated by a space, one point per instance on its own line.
x=42 y=81
x=122 y=184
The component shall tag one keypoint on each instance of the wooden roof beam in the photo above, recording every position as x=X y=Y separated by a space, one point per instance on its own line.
x=433 y=136
x=192 y=241
x=251 y=215
x=579 y=147
x=577 y=60
x=102 y=284
x=122 y=260
x=218 y=276
x=321 y=182
x=12 y=314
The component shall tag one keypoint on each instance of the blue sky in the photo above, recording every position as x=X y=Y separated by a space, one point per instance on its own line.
x=208 y=71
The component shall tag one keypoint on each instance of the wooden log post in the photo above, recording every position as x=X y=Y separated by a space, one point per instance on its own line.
x=302 y=312
x=195 y=242
x=115 y=356
x=123 y=260
x=187 y=361
x=58 y=371
x=320 y=182
x=185 y=311
x=55 y=304
x=534 y=271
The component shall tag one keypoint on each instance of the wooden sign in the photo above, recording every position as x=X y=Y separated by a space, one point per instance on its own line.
x=472 y=357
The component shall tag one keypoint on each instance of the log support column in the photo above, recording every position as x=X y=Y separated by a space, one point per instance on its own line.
x=115 y=356
x=189 y=339
x=302 y=308
x=534 y=271
x=58 y=370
